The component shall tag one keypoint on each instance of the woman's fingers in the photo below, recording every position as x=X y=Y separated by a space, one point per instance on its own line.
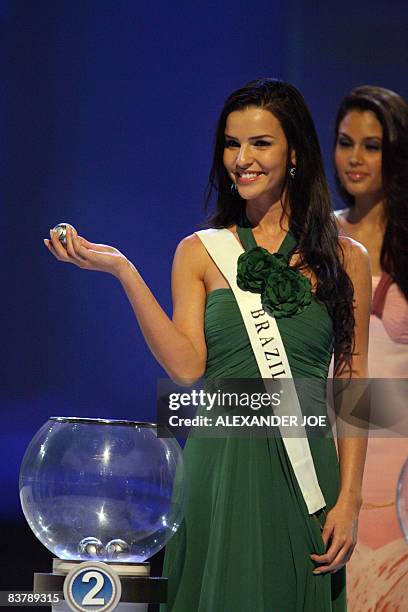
x=337 y=555
x=69 y=246
x=102 y=248
x=336 y=560
x=67 y=255
x=84 y=254
x=59 y=250
x=48 y=244
x=74 y=249
x=326 y=556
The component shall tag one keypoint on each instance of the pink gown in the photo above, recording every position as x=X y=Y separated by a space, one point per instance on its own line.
x=377 y=573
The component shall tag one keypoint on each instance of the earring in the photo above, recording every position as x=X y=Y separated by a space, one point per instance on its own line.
x=233 y=187
x=292 y=172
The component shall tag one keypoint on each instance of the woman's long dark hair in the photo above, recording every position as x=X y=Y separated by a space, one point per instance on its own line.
x=311 y=219
x=391 y=111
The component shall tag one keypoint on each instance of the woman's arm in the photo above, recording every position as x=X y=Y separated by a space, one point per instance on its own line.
x=340 y=530
x=179 y=344
x=352 y=440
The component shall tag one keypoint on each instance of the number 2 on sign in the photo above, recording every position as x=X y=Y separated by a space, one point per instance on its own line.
x=90 y=599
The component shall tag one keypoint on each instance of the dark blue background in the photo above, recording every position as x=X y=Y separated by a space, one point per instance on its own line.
x=108 y=109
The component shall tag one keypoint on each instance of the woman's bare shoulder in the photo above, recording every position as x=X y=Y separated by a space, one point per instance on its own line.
x=341 y=219
x=192 y=245
x=191 y=254
x=190 y=242
x=355 y=255
x=342 y=213
x=352 y=247
x=191 y=250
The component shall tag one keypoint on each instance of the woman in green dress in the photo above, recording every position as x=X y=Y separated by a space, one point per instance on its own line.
x=248 y=542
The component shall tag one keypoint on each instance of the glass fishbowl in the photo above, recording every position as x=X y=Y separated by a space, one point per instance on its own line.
x=106 y=490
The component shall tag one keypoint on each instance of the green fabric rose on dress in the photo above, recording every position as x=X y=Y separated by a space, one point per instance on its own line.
x=254 y=267
x=284 y=291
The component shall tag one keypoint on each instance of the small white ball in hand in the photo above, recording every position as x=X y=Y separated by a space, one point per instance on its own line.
x=61 y=229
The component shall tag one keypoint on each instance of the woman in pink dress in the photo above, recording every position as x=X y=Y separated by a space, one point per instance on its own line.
x=371 y=170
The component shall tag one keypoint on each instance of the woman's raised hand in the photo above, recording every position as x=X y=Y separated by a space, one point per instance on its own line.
x=85 y=254
x=178 y=345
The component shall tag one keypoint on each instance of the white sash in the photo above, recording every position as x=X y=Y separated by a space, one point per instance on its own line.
x=271 y=357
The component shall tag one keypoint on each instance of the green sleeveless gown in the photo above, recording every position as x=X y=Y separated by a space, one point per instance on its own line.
x=245 y=542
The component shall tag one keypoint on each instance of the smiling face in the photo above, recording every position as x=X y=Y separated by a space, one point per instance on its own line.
x=255 y=154
x=358 y=154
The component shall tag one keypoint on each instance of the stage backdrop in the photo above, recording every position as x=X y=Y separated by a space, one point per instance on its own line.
x=107 y=118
